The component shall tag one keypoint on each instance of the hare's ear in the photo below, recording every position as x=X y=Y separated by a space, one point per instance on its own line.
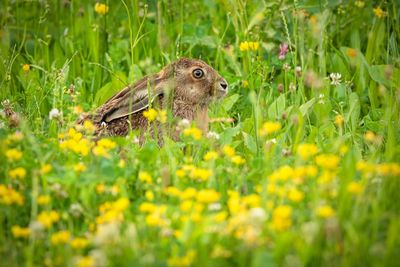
x=134 y=99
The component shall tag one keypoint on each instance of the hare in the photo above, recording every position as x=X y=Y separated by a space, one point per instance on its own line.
x=185 y=87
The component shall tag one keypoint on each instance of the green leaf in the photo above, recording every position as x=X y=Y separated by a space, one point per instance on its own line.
x=305 y=108
x=249 y=142
x=353 y=115
x=228 y=102
x=277 y=107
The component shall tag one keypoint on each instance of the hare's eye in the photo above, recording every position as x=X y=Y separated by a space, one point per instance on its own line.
x=198 y=73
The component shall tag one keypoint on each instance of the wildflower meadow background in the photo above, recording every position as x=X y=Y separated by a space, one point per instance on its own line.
x=300 y=166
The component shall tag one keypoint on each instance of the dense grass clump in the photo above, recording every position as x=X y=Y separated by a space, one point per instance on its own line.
x=300 y=166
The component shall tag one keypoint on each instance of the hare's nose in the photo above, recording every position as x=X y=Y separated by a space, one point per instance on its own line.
x=224 y=85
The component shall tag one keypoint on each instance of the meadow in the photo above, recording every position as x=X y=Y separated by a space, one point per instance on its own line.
x=300 y=167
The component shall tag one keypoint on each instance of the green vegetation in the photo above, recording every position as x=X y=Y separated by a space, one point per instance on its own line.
x=300 y=167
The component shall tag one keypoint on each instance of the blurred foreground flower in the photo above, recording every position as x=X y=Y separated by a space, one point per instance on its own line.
x=335 y=78
x=26 y=68
x=283 y=50
x=246 y=46
x=270 y=127
x=101 y=9
x=379 y=13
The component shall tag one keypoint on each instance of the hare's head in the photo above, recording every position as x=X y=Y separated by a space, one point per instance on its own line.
x=197 y=81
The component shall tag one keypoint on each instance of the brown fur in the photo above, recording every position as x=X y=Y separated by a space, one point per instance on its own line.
x=188 y=98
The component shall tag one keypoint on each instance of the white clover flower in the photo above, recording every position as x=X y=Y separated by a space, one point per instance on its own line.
x=258 y=214
x=213 y=135
x=184 y=123
x=54 y=114
x=335 y=78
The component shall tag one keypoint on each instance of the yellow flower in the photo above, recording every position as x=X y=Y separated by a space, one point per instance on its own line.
x=269 y=127
x=18 y=231
x=188 y=193
x=359 y=4
x=281 y=218
x=150 y=114
x=145 y=177
x=200 y=174
x=325 y=211
x=180 y=173
x=86 y=261
x=339 y=120
x=48 y=218
x=194 y=132
x=228 y=150
x=121 y=204
x=17 y=173
x=100 y=188
x=210 y=155
x=101 y=9
x=351 y=52
x=79 y=243
x=101 y=151
x=327 y=161
x=238 y=160
x=379 y=12
x=79 y=110
x=295 y=195
x=88 y=126
x=245 y=84
x=208 y=196
x=149 y=195
x=354 y=188
x=147 y=207
x=306 y=151
x=106 y=143
x=370 y=136
x=80 y=167
x=162 y=116
x=45 y=169
x=61 y=237
x=26 y=68
x=43 y=199
x=13 y=154
x=9 y=196
x=246 y=46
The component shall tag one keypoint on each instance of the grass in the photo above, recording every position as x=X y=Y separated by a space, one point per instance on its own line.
x=303 y=168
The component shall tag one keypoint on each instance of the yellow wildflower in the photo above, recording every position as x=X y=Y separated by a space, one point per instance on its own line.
x=149 y=195
x=210 y=155
x=180 y=173
x=43 y=199
x=295 y=195
x=61 y=237
x=228 y=150
x=339 y=120
x=379 y=12
x=48 y=218
x=351 y=52
x=245 y=84
x=208 y=196
x=147 y=207
x=80 y=167
x=9 y=196
x=281 y=218
x=26 y=68
x=370 y=136
x=246 y=46
x=354 y=188
x=106 y=143
x=86 y=261
x=101 y=151
x=162 y=116
x=306 y=151
x=100 y=188
x=13 y=154
x=79 y=243
x=145 y=177
x=17 y=173
x=18 y=231
x=200 y=174
x=101 y=9
x=327 y=161
x=194 y=132
x=325 y=211
x=150 y=114
x=188 y=193
x=269 y=127
x=45 y=169
x=238 y=160
x=88 y=126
